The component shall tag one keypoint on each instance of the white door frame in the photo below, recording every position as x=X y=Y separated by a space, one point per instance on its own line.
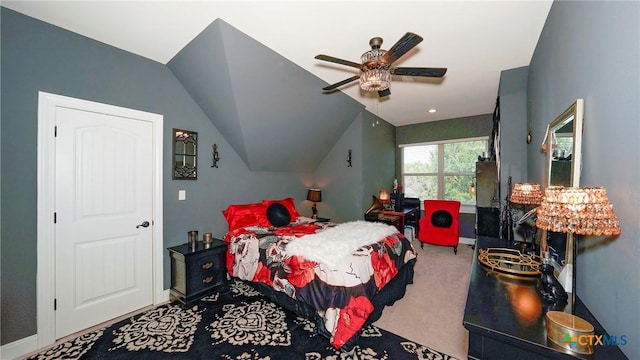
x=45 y=278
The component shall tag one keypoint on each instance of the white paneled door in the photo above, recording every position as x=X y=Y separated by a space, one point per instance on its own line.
x=103 y=211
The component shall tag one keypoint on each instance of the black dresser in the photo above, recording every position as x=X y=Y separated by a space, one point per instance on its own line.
x=505 y=320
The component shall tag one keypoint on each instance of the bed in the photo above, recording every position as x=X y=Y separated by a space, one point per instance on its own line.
x=339 y=275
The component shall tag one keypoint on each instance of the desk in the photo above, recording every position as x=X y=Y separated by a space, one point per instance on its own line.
x=388 y=218
x=408 y=215
x=500 y=329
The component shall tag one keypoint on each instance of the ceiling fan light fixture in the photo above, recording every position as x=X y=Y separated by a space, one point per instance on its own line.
x=375 y=77
x=375 y=80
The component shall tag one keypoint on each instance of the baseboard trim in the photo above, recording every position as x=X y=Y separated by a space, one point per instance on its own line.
x=467 y=241
x=19 y=348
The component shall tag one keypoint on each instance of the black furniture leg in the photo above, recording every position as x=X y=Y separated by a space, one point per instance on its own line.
x=455 y=250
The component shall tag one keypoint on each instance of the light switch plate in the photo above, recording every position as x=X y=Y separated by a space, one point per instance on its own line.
x=182 y=194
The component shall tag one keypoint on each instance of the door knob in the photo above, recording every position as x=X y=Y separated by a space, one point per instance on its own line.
x=144 y=224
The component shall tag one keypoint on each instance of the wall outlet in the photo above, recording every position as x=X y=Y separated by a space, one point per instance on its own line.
x=182 y=194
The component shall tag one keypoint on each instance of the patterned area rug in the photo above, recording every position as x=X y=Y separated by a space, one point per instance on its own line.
x=238 y=324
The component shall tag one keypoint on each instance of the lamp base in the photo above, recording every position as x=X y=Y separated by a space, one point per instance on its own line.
x=566 y=278
x=568 y=332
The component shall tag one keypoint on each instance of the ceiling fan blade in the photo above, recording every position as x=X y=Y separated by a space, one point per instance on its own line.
x=338 y=61
x=415 y=71
x=406 y=43
x=343 y=82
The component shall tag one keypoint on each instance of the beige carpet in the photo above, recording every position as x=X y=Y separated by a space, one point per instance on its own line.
x=431 y=311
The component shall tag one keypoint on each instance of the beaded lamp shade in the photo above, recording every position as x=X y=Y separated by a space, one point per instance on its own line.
x=529 y=194
x=582 y=211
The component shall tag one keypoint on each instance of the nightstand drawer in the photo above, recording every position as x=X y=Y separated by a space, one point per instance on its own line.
x=205 y=271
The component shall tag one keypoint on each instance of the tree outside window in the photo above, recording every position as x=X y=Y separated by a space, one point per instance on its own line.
x=443 y=170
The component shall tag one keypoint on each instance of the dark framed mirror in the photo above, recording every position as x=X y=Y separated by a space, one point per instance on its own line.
x=185 y=154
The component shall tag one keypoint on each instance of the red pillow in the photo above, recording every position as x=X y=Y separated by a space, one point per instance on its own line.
x=288 y=203
x=261 y=215
x=242 y=215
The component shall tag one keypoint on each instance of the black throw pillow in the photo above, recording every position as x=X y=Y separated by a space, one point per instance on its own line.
x=441 y=219
x=278 y=215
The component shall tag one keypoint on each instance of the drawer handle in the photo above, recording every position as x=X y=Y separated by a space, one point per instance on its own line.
x=208 y=265
x=207 y=280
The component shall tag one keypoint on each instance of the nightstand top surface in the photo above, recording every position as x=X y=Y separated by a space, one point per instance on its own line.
x=186 y=250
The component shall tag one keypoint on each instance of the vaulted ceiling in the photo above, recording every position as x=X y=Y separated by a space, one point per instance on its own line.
x=263 y=104
x=475 y=40
x=251 y=67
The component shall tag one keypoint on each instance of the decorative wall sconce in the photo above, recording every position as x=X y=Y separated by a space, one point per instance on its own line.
x=215 y=156
x=349 y=159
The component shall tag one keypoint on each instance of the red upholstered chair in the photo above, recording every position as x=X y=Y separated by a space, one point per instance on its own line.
x=440 y=226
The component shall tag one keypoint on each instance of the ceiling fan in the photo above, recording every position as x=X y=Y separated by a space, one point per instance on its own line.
x=376 y=65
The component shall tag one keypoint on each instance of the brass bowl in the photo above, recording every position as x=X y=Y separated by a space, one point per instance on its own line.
x=570 y=333
x=510 y=261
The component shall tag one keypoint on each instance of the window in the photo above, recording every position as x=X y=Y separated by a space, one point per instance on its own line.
x=442 y=170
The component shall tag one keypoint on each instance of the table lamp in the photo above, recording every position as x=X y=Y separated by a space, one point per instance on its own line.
x=575 y=211
x=526 y=194
x=384 y=198
x=314 y=195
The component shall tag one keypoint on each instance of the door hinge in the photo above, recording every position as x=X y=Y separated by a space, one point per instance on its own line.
x=55 y=217
x=55 y=304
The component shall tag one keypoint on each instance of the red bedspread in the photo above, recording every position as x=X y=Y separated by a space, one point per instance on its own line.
x=340 y=295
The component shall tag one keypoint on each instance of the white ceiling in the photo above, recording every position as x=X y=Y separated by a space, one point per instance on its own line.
x=475 y=40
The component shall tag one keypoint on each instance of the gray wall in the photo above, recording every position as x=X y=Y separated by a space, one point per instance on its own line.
x=36 y=56
x=591 y=50
x=459 y=128
x=379 y=167
x=349 y=189
x=513 y=127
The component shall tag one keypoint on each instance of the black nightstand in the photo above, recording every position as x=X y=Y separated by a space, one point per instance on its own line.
x=195 y=274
